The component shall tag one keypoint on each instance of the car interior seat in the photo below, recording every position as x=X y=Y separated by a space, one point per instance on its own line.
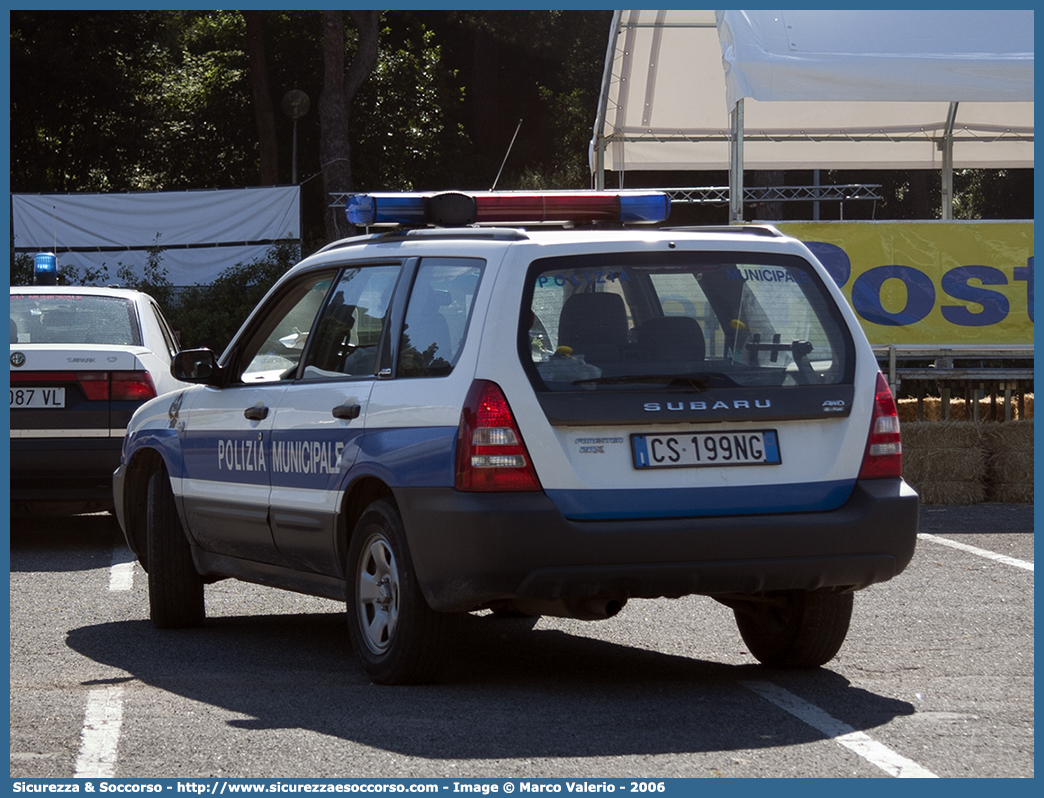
x=670 y=338
x=595 y=326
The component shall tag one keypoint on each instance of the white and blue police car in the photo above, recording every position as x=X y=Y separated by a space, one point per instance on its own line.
x=473 y=411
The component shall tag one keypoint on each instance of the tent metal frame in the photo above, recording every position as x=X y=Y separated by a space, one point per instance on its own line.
x=736 y=134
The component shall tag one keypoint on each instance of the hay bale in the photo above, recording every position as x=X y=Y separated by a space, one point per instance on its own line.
x=945 y=461
x=986 y=407
x=1009 y=461
x=931 y=409
x=960 y=409
x=907 y=410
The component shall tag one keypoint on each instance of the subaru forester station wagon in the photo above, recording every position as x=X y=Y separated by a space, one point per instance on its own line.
x=478 y=410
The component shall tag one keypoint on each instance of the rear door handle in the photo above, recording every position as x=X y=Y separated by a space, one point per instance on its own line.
x=256 y=413
x=346 y=412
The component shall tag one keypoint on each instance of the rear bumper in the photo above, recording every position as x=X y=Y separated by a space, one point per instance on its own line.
x=473 y=549
x=63 y=469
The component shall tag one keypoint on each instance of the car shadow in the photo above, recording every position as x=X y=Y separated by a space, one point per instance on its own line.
x=41 y=543
x=506 y=691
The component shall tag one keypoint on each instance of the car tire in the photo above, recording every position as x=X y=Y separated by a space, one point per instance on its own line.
x=398 y=638
x=795 y=629
x=175 y=588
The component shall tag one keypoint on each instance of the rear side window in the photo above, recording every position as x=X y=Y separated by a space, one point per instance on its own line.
x=437 y=316
x=688 y=320
x=73 y=319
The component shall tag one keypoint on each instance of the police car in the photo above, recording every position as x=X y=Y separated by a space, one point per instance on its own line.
x=83 y=359
x=478 y=411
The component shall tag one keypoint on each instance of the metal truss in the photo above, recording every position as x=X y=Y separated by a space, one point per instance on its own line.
x=720 y=194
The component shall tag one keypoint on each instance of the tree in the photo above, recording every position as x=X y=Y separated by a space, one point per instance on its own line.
x=406 y=127
x=340 y=86
x=206 y=134
x=543 y=67
x=263 y=112
x=81 y=117
x=209 y=315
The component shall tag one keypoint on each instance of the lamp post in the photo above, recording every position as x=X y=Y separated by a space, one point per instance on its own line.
x=295 y=105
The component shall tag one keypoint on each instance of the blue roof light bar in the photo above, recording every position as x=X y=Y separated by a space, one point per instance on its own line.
x=456 y=209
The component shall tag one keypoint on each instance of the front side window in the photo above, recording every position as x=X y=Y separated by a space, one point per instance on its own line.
x=273 y=350
x=349 y=330
x=73 y=319
x=687 y=320
x=437 y=316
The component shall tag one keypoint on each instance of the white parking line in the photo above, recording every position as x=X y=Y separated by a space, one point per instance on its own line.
x=121 y=574
x=859 y=742
x=100 y=735
x=989 y=555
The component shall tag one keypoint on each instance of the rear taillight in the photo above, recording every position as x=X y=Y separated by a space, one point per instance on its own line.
x=94 y=384
x=491 y=455
x=132 y=386
x=884 y=451
x=97 y=386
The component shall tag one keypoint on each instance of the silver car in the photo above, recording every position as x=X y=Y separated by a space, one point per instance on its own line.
x=83 y=359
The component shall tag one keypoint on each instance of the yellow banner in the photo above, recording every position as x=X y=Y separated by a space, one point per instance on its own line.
x=934 y=283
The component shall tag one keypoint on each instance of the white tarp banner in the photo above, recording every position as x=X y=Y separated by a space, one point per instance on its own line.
x=201 y=233
x=823 y=89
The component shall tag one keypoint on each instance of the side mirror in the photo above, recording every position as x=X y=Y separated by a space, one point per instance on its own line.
x=197 y=366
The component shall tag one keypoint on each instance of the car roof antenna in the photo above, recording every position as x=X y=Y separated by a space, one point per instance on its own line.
x=506 y=154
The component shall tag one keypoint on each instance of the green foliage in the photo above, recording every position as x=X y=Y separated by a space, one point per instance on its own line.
x=87 y=274
x=21 y=269
x=569 y=167
x=161 y=100
x=199 y=94
x=209 y=315
x=404 y=133
x=153 y=280
x=81 y=113
x=541 y=67
x=993 y=194
x=204 y=315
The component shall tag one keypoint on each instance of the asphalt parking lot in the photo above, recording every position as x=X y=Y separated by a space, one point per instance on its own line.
x=935 y=679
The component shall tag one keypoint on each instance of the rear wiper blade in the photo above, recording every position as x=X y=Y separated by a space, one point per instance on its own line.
x=698 y=381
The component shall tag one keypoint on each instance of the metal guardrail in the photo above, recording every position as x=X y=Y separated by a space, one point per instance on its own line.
x=973 y=382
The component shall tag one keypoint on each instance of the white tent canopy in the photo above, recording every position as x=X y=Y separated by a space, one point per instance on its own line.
x=816 y=89
x=907 y=56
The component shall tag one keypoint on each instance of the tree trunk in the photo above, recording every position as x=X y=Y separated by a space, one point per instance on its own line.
x=921 y=195
x=264 y=113
x=339 y=88
x=768 y=210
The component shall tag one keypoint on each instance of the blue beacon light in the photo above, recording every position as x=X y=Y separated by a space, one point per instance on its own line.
x=45 y=269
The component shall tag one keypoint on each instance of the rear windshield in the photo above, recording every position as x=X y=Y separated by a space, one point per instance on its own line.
x=681 y=319
x=73 y=319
